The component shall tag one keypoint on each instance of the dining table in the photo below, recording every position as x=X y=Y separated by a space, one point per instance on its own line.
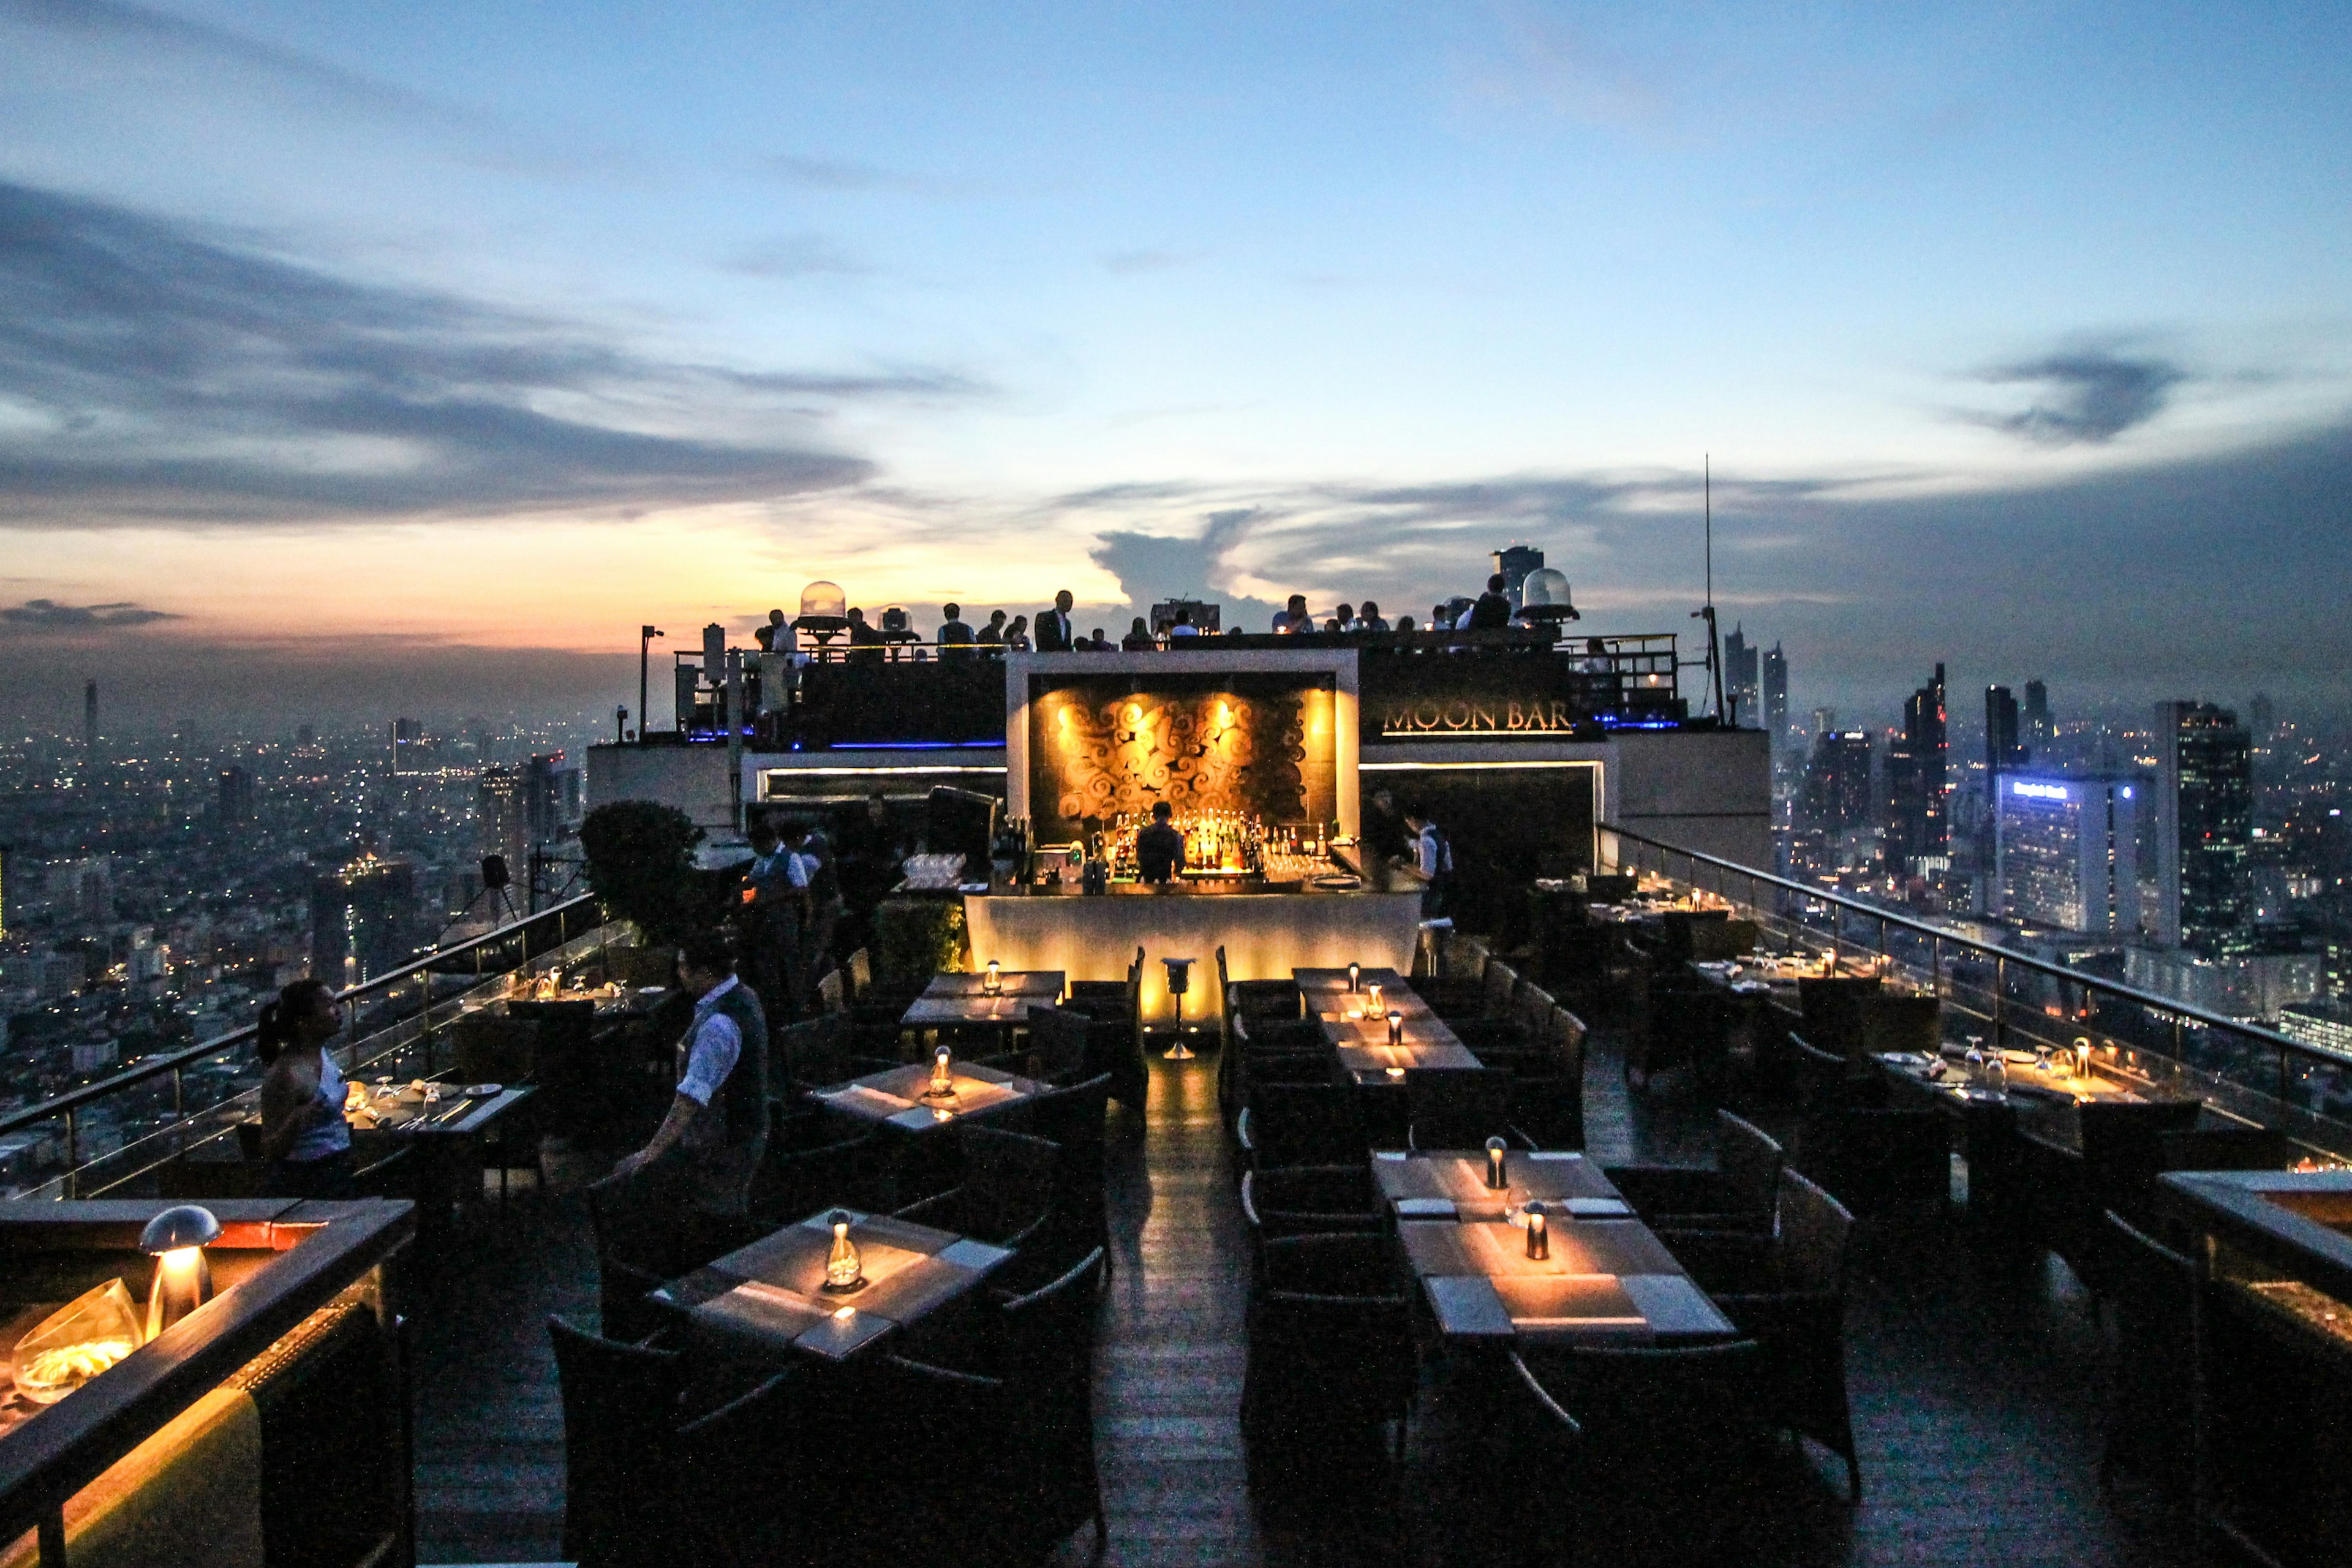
x=900 y=1097
x=968 y=1002
x=768 y=1302
x=1603 y=1281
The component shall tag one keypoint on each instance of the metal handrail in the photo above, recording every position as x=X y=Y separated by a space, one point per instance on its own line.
x=1947 y=936
x=157 y=1067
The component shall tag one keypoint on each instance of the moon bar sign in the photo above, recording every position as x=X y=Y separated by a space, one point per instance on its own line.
x=1483 y=716
x=1521 y=692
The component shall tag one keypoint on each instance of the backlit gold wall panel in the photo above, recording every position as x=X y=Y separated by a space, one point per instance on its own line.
x=1243 y=743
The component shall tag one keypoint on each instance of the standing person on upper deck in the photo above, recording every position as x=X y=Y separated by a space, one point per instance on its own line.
x=1016 y=636
x=777 y=631
x=1183 y=627
x=717 y=1129
x=1293 y=617
x=1159 y=848
x=1492 y=613
x=953 y=632
x=1369 y=618
x=1057 y=632
x=991 y=633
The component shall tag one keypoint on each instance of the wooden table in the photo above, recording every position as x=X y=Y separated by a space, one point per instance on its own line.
x=1361 y=1043
x=767 y=1300
x=958 y=1001
x=895 y=1098
x=1312 y=981
x=1452 y=1185
x=1606 y=1280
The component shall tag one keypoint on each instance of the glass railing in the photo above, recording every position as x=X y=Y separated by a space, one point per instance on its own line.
x=107 y=1137
x=2023 y=1002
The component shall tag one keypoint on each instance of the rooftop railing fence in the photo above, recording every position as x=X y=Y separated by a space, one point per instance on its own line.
x=2021 y=1002
x=102 y=1137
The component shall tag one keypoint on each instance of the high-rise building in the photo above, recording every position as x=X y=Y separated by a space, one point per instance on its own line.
x=89 y=733
x=407 y=736
x=2204 y=826
x=1741 y=681
x=2261 y=719
x=306 y=735
x=1775 y=694
x=2003 y=753
x=2065 y=851
x=1917 y=823
x=1837 y=782
x=552 y=797
x=362 y=920
x=1515 y=564
x=236 y=796
x=2039 y=730
x=502 y=813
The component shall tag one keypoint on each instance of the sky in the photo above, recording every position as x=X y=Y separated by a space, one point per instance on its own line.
x=384 y=357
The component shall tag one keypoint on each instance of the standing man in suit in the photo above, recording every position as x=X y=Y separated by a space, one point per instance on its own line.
x=1053 y=631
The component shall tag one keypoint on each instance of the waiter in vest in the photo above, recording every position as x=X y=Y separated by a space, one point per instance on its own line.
x=716 y=1128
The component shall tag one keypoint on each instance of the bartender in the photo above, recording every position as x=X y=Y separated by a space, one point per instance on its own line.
x=1159 y=848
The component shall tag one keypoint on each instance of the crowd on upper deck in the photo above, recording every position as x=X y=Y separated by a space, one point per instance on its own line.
x=1055 y=629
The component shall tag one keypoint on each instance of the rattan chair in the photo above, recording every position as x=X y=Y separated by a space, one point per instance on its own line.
x=2151 y=1398
x=1301 y=1124
x=1310 y=1200
x=1330 y=1353
x=1788 y=1294
x=1737 y=1193
x=1457 y=1107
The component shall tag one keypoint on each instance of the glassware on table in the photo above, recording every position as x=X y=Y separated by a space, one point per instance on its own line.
x=1995 y=1073
x=1976 y=1056
x=2042 y=1056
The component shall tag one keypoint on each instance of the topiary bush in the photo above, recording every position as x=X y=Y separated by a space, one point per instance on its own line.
x=641 y=863
x=915 y=938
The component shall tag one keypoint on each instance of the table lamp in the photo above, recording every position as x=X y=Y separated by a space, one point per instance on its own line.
x=1539 y=1231
x=841 y=1266
x=1374 y=1010
x=1498 y=1177
x=1355 y=972
x=183 y=1279
x=2082 y=1055
x=1396 y=1028
x=993 y=983
x=942 y=1084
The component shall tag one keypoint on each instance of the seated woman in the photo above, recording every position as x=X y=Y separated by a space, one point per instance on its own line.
x=304 y=1134
x=1138 y=638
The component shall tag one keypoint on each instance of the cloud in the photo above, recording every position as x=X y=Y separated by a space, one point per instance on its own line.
x=149 y=371
x=150 y=33
x=799 y=256
x=1133 y=263
x=2090 y=395
x=848 y=176
x=48 y=616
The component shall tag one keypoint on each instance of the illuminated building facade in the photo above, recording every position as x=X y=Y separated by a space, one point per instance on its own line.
x=2204 y=828
x=2064 y=852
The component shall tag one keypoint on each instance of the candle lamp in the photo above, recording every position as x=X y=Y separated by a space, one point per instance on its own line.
x=183 y=1279
x=1355 y=972
x=1396 y=1028
x=841 y=1266
x=993 y=983
x=1395 y=1072
x=2082 y=1055
x=1498 y=1177
x=942 y=1084
x=1375 y=1010
x=1539 y=1231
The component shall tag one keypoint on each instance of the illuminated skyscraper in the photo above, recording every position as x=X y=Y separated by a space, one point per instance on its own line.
x=1837 y=782
x=2204 y=826
x=236 y=796
x=1740 y=681
x=2003 y=754
x=502 y=819
x=362 y=920
x=1917 y=825
x=2065 y=851
x=1775 y=694
x=2038 y=727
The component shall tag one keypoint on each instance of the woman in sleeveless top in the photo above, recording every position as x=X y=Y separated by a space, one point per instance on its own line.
x=304 y=1134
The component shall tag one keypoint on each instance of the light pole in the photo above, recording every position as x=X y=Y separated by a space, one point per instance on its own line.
x=645 y=636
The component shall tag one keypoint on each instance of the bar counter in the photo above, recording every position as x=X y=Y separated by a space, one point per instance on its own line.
x=1266 y=933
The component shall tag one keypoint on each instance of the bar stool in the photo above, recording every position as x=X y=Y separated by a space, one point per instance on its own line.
x=1179 y=980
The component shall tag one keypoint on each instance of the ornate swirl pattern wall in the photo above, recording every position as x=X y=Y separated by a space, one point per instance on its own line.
x=1100 y=748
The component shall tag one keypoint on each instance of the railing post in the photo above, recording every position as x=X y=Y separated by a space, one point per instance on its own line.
x=73 y=1156
x=2000 y=1001
x=179 y=1091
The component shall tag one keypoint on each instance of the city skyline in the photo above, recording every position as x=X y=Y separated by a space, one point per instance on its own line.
x=346 y=354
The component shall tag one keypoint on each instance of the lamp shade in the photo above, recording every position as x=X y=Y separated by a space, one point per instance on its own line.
x=823 y=599
x=1544 y=596
x=190 y=1225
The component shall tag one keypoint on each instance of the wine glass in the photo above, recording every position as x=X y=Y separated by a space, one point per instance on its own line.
x=1976 y=1056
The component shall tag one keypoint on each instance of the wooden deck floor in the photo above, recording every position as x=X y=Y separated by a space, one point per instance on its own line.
x=1977 y=1392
